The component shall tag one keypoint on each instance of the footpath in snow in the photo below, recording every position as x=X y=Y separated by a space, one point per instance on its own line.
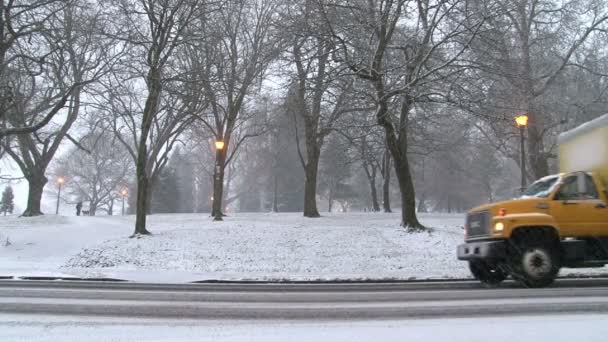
x=188 y=247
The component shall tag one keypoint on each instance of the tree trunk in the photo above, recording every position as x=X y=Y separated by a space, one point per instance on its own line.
x=36 y=187
x=374 y=192
x=386 y=198
x=142 y=206
x=218 y=185
x=149 y=196
x=143 y=190
x=398 y=148
x=330 y=200
x=371 y=177
x=275 y=195
x=449 y=205
x=310 y=186
x=111 y=208
x=408 y=198
x=154 y=84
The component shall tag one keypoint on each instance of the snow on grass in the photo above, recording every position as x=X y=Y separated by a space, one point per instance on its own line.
x=286 y=246
x=40 y=245
x=189 y=247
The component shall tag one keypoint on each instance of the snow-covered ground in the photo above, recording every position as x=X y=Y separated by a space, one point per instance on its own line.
x=244 y=247
x=566 y=328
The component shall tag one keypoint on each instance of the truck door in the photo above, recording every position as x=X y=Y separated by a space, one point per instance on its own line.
x=578 y=208
x=565 y=207
x=594 y=207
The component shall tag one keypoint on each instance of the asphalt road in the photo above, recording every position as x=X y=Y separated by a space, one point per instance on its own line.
x=342 y=301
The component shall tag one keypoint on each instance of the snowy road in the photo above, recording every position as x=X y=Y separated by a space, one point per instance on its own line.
x=553 y=328
x=366 y=301
x=416 y=311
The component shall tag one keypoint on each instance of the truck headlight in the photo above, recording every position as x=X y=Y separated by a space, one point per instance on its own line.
x=499 y=227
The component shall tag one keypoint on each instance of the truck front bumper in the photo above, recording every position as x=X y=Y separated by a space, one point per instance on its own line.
x=482 y=250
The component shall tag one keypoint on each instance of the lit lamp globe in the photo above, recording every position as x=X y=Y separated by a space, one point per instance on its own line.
x=219 y=145
x=521 y=121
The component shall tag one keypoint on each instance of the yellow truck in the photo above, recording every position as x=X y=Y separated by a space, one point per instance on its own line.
x=559 y=221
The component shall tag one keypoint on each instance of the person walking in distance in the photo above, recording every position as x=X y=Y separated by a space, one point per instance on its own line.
x=78 y=208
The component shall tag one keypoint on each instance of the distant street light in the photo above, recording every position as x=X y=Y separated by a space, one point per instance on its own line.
x=60 y=182
x=522 y=122
x=124 y=194
x=219 y=145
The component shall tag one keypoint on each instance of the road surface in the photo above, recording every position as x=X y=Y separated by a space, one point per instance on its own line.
x=321 y=302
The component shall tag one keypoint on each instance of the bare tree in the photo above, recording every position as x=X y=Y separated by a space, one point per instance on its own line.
x=77 y=55
x=321 y=93
x=403 y=60
x=155 y=30
x=241 y=41
x=318 y=107
x=23 y=53
x=122 y=108
x=98 y=174
x=367 y=139
x=522 y=57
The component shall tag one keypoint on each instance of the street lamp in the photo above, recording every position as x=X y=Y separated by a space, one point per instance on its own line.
x=219 y=147
x=124 y=194
x=522 y=122
x=60 y=182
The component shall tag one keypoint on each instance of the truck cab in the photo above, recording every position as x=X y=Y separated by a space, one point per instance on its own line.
x=560 y=221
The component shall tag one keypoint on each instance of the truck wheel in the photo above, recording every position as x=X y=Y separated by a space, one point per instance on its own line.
x=535 y=265
x=486 y=274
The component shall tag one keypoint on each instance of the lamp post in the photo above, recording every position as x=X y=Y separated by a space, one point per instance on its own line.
x=216 y=210
x=60 y=182
x=124 y=194
x=522 y=122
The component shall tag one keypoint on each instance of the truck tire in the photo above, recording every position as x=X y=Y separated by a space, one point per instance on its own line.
x=535 y=264
x=487 y=274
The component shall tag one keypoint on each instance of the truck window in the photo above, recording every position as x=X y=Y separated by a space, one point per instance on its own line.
x=568 y=190
x=591 y=191
x=541 y=188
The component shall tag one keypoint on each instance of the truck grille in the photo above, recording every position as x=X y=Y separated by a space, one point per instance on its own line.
x=478 y=224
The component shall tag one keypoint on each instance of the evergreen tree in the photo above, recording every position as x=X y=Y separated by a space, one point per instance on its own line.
x=184 y=173
x=165 y=193
x=7 y=205
x=335 y=173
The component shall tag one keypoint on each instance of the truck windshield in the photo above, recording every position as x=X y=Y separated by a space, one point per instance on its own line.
x=541 y=188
